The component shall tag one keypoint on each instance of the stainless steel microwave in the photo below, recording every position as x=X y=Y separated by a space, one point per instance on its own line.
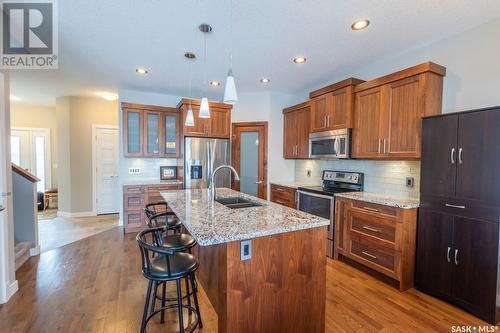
x=330 y=144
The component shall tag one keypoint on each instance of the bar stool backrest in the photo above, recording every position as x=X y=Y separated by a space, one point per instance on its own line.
x=155 y=208
x=150 y=245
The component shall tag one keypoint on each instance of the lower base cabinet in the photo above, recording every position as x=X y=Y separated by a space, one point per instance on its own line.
x=135 y=197
x=283 y=195
x=457 y=260
x=378 y=237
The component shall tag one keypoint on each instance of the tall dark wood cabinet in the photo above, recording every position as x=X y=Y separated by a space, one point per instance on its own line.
x=458 y=229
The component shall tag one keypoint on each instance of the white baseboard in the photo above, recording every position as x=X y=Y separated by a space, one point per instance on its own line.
x=78 y=214
x=34 y=251
x=12 y=288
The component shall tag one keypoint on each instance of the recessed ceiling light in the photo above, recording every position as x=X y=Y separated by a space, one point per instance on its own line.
x=141 y=71
x=215 y=83
x=299 y=60
x=265 y=80
x=108 y=96
x=360 y=24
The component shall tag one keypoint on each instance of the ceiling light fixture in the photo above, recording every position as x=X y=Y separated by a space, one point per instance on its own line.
x=189 y=116
x=299 y=60
x=230 y=94
x=360 y=24
x=204 y=107
x=215 y=83
x=108 y=96
x=265 y=80
x=141 y=71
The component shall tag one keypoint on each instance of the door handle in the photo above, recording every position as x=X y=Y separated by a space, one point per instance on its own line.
x=324 y=121
x=452 y=155
x=460 y=150
x=371 y=209
x=369 y=254
x=455 y=206
x=456 y=257
x=448 y=254
x=259 y=182
x=379 y=142
x=384 y=146
x=370 y=229
x=327 y=121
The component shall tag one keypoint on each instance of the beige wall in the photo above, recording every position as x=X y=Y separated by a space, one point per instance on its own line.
x=75 y=117
x=28 y=115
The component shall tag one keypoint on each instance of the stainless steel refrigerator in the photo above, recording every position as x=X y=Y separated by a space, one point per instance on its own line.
x=202 y=156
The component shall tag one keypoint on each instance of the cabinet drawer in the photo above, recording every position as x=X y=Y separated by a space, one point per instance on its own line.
x=283 y=195
x=133 y=202
x=374 y=256
x=375 y=208
x=133 y=189
x=373 y=226
x=135 y=219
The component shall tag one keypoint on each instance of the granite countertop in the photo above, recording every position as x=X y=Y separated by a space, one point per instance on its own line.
x=152 y=182
x=212 y=223
x=292 y=184
x=382 y=199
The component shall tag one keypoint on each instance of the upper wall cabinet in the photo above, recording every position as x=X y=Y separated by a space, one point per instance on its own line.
x=217 y=126
x=296 y=124
x=332 y=106
x=388 y=112
x=150 y=131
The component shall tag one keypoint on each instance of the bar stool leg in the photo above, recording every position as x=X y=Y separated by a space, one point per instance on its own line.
x=163 y=294
x=155 y=293
x=179 y=306
x=195 y=296
x=146 y=307
x=187 y=292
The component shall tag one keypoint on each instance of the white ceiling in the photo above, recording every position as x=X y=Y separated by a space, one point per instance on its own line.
x=102 y=42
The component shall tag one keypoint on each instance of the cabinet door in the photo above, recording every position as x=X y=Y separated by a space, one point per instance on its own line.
x=320 y=108
x=340 y=235
x=439 y=156
x=200 y=127
x=171 y=130
x=434 y=252
x=475 y=254
x=367 y=141
x=342 y=107
x=133 y=132
x=302 y=133
x=403 y=137
x=290 y=134
x=478 y=157
x=152 y=134
x=220 y=123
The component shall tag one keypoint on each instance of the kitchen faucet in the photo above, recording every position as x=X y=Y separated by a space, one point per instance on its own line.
x=211 y=188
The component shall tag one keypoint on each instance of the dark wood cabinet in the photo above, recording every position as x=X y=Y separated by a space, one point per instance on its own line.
x=332 y=106
x=150 y=131
x=283 y=195
x=217 y=126
x=388 y=112
x=296 y=124
x=460 y=210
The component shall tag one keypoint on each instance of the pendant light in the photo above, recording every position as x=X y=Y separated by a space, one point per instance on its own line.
x=204 y=107
x=230 y=95
x=189 y=117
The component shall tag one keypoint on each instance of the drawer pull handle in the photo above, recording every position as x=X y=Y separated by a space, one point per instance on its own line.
x=370 y=229
x=371 y=209
x=280 y=202
x=279 y=189
x=369 y=254
x=455 y=206
x=448 y=254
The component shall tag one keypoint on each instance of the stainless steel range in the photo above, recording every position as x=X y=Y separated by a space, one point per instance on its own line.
x=320 y=200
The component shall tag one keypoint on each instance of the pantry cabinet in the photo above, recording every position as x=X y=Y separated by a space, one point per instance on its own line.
x=388 y=112
x=217 y=126
x=296 y=124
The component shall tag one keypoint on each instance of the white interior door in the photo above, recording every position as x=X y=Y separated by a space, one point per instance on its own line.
x=107 y=187
x=20 y=148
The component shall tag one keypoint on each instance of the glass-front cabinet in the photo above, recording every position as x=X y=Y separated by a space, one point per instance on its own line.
x=150 y=131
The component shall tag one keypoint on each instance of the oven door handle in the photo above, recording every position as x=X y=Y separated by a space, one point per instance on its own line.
x=315 y=195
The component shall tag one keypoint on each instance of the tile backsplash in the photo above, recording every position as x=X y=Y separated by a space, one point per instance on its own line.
x=150 y=168
x=388 y=177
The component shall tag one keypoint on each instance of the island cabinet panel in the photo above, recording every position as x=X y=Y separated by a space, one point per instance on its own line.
x=378 y=237
x=388 y=112
x=151 y=131
x=286 y=196
x=217 y=126
x=282 y=288
x=296 y=124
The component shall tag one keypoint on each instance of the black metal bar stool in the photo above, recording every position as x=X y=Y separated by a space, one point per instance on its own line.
x=169 y=219
x=161 y=265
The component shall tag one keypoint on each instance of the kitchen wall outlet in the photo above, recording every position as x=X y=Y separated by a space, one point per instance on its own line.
x=410 y=181
x=134 y=171
x=246 y=249
x=308 y=173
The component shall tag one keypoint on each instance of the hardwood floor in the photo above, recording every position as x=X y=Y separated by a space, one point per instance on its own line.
x=95 y=285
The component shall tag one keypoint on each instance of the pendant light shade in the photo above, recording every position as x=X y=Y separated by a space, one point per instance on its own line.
x=189 y=117
x=230 y=94
x=204 y=108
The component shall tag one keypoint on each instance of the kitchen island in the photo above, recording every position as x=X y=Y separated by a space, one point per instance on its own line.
x=281 y=288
